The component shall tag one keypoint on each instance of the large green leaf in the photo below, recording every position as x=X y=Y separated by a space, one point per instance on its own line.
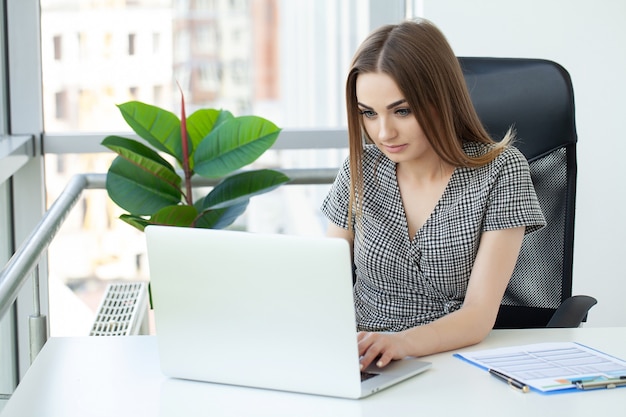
x=241 y=187
x=159 y=127
x=137 y=222
x=221 y=218
x=234 y=144
x=203 y=121
x=180 y=215
x=138 y=191
x=144 y=157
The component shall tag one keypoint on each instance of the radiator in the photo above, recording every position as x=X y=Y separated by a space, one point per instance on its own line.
x=123 y=310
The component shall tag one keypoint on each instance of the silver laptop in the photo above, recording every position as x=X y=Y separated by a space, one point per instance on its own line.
x=260 y=310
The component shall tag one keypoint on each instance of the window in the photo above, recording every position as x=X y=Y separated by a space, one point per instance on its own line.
x=83 y=46
x=107 y=51
x=132 y=39
x=291 y=52
x=238 y=4
x=156 y=43
x=56 y=40
x=205 y=40
x=60 y=101
x=205 y=4
x=239 y=71
x=157 y=95
x=283 y=60
x=208 y=77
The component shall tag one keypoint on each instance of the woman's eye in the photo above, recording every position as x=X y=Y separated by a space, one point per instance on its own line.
x=368 y=113
x=403 y=112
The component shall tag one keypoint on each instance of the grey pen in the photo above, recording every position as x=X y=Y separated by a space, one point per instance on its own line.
x=513 y=383
x=603 y=383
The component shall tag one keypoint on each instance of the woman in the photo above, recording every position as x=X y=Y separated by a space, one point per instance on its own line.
x=434 y=209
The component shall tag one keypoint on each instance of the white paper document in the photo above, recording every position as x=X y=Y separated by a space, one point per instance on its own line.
x=549 y=366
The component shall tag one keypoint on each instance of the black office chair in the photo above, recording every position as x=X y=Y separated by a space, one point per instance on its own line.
x=536 y=98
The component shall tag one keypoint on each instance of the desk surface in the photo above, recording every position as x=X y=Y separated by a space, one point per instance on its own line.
x=120 y=376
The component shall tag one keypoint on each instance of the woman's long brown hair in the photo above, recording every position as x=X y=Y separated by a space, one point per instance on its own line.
x=417 y=56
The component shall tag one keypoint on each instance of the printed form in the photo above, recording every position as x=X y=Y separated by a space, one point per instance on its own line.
x=550 y=366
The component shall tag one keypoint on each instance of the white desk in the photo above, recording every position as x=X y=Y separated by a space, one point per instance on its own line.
x=119 y=376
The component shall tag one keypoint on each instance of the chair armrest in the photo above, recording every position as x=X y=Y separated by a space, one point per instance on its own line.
x=572 y=312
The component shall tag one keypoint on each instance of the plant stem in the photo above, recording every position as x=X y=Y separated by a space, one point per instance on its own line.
x=185 y=146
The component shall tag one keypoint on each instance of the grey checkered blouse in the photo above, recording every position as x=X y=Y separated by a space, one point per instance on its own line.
x=402 y=283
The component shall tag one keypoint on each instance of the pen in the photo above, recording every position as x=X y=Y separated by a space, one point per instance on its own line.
x=513 y=383
x=605 y=383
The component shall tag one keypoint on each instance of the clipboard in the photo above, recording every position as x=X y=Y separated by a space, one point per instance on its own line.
x=552 y=367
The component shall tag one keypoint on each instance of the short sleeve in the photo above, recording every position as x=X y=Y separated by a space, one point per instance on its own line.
x=512 y=201
x=335 y=205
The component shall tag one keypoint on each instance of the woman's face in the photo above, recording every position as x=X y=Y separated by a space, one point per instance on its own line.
x=388 y=120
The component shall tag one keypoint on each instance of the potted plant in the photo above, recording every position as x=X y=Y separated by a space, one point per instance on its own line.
x=209 y=143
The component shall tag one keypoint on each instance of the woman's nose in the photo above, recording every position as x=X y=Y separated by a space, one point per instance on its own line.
x=386 y=129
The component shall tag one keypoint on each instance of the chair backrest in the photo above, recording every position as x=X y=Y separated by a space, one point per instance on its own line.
x=536 y=98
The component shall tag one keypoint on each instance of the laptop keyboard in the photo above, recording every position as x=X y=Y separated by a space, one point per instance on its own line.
x=367 y=375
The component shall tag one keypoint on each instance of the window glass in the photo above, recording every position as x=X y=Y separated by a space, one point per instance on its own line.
x=7 y=345
x=282 y=59
x=285 y=60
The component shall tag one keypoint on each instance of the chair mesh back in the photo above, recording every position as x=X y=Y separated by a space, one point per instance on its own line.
x=542 y=254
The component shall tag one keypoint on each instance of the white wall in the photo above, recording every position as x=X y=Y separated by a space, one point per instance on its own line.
x=589 y=39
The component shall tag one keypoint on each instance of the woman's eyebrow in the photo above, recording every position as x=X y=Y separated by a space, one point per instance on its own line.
x=396 y=103
x=389 y=106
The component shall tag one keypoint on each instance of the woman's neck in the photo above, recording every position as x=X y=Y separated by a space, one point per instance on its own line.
x=428 y=171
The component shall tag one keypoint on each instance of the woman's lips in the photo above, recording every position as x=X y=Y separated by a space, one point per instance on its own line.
x=395 y=148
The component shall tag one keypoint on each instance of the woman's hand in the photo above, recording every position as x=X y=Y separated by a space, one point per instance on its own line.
x=381 y=347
